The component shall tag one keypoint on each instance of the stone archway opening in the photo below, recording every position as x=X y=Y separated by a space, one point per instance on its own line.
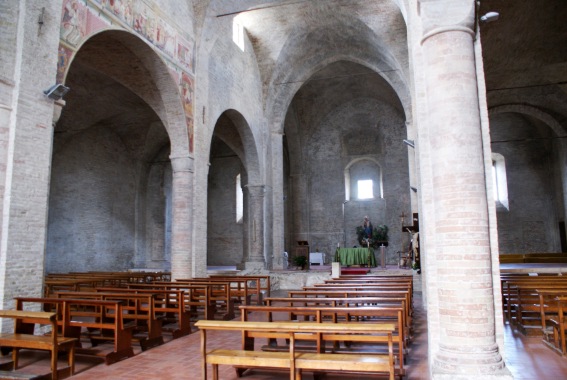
x=346 y=114
x=531 y=143
x=111 y=177
x=233 y=231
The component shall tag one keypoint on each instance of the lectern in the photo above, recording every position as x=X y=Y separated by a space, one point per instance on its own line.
x=302 y=249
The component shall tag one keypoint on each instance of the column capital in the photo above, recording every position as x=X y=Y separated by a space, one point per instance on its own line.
x=182 y=164
x=441 y=16
x=256 y=190
x=57 y=109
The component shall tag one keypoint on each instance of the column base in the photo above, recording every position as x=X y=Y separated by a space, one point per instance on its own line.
x=470 y=363
x=503 y=374
x=254 y=266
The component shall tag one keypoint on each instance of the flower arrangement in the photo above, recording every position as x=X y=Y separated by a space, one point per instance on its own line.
x=379 y=236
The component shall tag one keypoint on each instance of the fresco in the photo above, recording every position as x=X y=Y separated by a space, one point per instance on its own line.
x=73 y=22
x=63 y=59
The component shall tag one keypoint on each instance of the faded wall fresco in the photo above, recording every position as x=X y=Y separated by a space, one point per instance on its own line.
x=82 y=18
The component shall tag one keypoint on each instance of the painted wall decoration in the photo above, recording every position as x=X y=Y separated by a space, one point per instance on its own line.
x=63 y=59
x=82 y=18
x=121 y=9
x=185 y=53
x=73 y=22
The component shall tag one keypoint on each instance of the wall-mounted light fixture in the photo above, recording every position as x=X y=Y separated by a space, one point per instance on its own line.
x=56 y=92
x=409 y=143
x=414 y=189
x=489 y=17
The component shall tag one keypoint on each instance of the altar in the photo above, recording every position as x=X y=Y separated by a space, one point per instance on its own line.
x=355 y=256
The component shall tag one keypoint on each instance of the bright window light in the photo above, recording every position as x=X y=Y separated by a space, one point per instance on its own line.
x=500 y=183
x=239 y=201
x=365 y=189
x=238 y=34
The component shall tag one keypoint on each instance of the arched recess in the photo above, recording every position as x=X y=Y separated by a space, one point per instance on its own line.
x=333 y=124
x=341 y=37
x=233 y=155
x=145 y=74
x=532 y=143
x=111 y=179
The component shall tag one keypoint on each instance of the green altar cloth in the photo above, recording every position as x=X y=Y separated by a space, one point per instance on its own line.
x=355 y=256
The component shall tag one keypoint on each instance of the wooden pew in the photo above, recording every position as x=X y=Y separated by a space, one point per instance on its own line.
x=197 y=297
x=367 y=314
x=104 y=318
x=170 y=305
x=259 y=284
x=237 y=288
x=559 y=325
x=366 y=286
x=298 y=362
x=137 y=307
x=346 y=293
x=527 y=306
x=23 y=338
x=510 y=290
x=345 y=302
x=549 y=309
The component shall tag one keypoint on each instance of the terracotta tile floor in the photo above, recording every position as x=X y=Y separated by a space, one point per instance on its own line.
x=527 y=358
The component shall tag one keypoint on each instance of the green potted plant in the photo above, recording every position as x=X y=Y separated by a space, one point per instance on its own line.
x=300 y=261
x=379 y=236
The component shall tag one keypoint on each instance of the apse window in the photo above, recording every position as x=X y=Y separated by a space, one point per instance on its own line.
x=499 y=182
x=365 y=189
x=239 y=200
x=238 y=34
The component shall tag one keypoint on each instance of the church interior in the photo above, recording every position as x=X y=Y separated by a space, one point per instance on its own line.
x=209 y=136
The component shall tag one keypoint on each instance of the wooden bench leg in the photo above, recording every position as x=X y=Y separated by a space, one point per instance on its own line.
x=15 y=352
x=54 y=357
x=215 y=372
x=71 y=359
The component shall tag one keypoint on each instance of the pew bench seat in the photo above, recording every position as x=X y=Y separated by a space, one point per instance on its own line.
x=23 y=338
x=297 y=362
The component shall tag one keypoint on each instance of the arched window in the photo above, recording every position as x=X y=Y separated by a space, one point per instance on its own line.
x=363 y=180
x=500 y=183
x=239 y=200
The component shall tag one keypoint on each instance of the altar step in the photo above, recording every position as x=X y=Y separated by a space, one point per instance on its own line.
x=354 y=271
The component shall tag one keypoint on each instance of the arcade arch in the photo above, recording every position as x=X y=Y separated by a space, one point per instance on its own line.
x=110 y=204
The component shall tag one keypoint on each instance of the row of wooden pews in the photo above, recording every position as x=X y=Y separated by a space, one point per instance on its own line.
x=352 y=325
x=107 y=313
x=535 y=305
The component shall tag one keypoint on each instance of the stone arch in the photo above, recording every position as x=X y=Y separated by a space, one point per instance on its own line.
x=532 y=142
x=233 y=161
x=161 y=92
x=112 y=180
x=548 y=119
x=367 y=50
x=241 y=141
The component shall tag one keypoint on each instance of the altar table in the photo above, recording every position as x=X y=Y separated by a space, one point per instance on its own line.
x=355 y=256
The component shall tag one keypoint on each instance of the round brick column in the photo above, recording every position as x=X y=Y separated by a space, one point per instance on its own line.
x=255 y=236
x=461 y=264
x=182 y=206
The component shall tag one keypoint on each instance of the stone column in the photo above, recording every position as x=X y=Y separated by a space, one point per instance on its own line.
x=182 y=261
x=278 y=210
x=255 y=258
x=465 y=347
x=300 y=208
